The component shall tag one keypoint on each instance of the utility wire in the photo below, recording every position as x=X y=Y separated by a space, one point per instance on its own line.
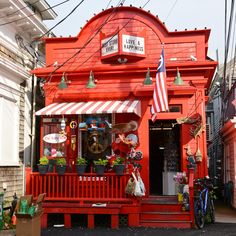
x=227 y=47
x=88 y=41
x=13 y=13
x=111 y=37
x=170 y=11
x=49 y=8
x=71 y=12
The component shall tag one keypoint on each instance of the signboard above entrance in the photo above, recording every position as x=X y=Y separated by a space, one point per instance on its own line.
x=109 y=45
x=133 y=44
x=121 y=43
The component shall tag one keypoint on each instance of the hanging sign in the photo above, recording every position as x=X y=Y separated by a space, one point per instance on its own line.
x=109 y=45
x=54 y=138
x=133 y=44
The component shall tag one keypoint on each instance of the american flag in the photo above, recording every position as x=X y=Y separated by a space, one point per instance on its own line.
x=160 y=99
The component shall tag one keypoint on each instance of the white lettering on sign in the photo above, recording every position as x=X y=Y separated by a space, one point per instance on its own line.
x=133 y=44
x=109 y=45
x=54 y=138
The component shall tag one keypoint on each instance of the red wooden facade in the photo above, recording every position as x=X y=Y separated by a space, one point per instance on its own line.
x=120 y=76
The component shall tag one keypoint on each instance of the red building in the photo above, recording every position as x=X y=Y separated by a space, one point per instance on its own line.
x=102 y=77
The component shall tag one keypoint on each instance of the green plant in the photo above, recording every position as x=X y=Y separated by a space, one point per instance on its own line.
x=43 y=160
x=61 y=161
x=118 y=161
x=81 y=161
x=101 y=162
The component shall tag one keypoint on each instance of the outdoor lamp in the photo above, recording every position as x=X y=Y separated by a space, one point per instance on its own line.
x=63 y=124
x=148 y=79
x=91 y=81
x=178 y=80
x=63 y=84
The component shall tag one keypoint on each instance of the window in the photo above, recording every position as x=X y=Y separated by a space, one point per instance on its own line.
x=9 y=128
x=95 y=142
x=54 y=144
x=175 y=108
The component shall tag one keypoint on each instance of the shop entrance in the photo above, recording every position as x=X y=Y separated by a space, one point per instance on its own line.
x=164 y=156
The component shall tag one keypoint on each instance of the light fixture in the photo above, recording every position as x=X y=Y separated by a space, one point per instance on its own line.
x=148 y=79
x=63 y=124
x=122 y=60
x=63 y=84
x=178 y=80
x=91 y=81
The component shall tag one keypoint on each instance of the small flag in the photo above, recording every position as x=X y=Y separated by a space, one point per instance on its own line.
x=160 y=99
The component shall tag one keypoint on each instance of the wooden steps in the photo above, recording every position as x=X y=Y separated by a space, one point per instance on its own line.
x=163 y=212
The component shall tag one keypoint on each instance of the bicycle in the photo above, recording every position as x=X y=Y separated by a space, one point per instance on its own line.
x=203 y=203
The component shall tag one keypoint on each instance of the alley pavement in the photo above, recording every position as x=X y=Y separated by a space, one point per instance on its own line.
x=225 y=226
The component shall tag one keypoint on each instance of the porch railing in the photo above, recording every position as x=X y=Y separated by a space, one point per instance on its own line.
x=71 y=187
x=191 y=194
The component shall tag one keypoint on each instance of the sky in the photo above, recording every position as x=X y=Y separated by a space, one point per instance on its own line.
x=177 y=14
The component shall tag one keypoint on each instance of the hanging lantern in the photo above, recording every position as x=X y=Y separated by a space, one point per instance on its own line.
x=63 y=124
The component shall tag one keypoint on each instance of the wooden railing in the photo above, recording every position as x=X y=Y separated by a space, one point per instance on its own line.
x=71 y=187
x=191 y=194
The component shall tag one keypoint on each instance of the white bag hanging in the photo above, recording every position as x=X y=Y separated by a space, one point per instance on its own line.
x=137 y=190
x=141 y=184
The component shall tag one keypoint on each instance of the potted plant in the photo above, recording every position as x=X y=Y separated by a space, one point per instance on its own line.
x=100 y=165
x=81 y=164
x=43 y=165
x=60 y=165
x=119 y=165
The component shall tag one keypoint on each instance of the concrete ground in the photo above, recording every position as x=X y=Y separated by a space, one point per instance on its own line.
x=225 y=225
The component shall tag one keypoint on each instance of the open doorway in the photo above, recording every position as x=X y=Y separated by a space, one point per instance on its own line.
x=164 y=155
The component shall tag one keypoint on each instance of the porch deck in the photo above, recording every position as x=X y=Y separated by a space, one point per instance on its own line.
x=72 y=194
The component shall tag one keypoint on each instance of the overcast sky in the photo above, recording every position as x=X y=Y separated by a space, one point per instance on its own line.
x=177 y=14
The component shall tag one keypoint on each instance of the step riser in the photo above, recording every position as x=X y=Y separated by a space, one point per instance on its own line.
x=161 y=207
x=180 y=225
x=164 y=217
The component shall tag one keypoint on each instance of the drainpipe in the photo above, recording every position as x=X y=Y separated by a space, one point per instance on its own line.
x=33 y=103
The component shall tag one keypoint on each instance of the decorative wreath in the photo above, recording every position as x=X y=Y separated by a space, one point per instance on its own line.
x=97 y=143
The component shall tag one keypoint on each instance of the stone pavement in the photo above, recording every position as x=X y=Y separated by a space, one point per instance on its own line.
x=224 y=213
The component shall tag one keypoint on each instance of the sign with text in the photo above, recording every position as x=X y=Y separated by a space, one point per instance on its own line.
x=54 y=138
x=109 y=45
x=133 y=44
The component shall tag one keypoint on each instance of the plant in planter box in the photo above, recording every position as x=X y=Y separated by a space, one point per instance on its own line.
x=100 y=165
x=119 y=165
x=60 y=165
x=43 y=165
x=81 y=164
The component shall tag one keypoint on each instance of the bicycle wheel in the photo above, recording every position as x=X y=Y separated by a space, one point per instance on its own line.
x=199 y=214
x=211 y=210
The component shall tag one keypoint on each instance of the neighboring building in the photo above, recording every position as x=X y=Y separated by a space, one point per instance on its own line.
x=221 y=119
x=103 y=76
x=20 y=23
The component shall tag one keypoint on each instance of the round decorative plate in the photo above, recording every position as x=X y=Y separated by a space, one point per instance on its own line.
x=138 y=155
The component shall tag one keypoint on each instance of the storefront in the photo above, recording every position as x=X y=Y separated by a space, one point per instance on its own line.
x=100 y=90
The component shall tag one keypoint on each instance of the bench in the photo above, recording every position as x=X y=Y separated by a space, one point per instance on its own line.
x=88 y=209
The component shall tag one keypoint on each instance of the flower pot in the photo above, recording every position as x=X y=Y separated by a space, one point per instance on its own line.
x=100 y=169
x=43 y=169
x=60 y=169
x=80 y=169
x=52 y=163
x=119 y=169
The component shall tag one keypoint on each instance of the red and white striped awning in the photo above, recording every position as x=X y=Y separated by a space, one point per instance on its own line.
x=92 y=107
